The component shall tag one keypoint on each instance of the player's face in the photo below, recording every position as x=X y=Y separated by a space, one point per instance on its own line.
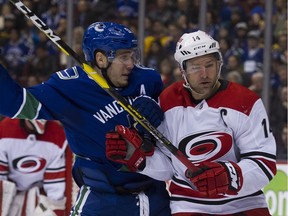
x=121 y=67
x=202 y=74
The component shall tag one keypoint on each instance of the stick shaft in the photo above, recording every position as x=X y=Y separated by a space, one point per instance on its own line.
x=103 y=83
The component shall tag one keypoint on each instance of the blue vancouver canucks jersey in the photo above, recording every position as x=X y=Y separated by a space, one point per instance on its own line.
x=86 y=111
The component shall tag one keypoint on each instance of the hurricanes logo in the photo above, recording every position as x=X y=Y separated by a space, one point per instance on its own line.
x=29 y=164
x=206 y=146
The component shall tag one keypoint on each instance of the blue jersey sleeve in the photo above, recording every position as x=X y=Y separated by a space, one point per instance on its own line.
x=11 y=94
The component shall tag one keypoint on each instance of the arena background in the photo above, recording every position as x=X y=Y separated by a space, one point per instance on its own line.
x=30 y=57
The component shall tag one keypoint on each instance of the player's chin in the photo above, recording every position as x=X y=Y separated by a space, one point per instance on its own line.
x=123 y=83
x=204 y=90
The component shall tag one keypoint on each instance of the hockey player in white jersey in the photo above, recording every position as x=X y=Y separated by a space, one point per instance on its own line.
x=32 y=159
x=222 y=127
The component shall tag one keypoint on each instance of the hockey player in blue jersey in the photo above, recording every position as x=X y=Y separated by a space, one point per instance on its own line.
x=88 y=113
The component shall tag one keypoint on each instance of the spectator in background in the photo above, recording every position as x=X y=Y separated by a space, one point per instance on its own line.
x=30 y=34
x=282 y=73
x=8 y=25
x=166 y=72
x=278 y=113
x=159 y=32
x=235 y=76
x=127 y=8
x=174 y=32
x=183 y=23
x=155 y=55
x=78 y=33
x=85 y=14
x=280 y=18
x=43 y=64
x=16 y=52
x=234 y=64
x=104 y=10
x=257 y=83
x=161 y=11
x=240 y=36
x=231 y=13
x=5 y=10
x=212 y=27
x=223 y=33
x=53 y=16
x=253 y=54
x=51 y=48
x=276 y=63
x=256 y=23
x=188 y=9
x=284 y=102
x=33 y=80
x=225 y=48
x=285 y=141
x=281 y=43
x=177 y=74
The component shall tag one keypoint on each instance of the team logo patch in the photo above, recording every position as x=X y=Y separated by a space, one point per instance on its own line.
x=206 y=146
x=99 y=27
x=29 y=164
x=68 y=74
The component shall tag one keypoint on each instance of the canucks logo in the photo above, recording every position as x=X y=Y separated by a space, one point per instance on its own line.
x=68 y=74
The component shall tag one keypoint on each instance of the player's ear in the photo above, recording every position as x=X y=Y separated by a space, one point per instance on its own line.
x=101 y=60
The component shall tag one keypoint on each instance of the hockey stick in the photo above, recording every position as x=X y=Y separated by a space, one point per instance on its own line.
x=103 y=84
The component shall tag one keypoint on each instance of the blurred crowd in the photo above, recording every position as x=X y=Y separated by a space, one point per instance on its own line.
x=238 y=25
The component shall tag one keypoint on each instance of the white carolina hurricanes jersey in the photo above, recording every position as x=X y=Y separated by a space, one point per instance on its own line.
x=233 y=126
x=33 y=160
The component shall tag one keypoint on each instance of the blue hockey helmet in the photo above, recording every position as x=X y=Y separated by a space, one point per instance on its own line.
x=107 y=37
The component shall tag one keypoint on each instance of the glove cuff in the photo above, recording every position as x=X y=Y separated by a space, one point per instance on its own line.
x=235 y=175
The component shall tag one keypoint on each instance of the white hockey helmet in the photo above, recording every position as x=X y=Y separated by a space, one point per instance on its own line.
x=195 y=44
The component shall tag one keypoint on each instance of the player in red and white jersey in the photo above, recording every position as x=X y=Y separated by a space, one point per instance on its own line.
x=32 y=157
x=221 y=127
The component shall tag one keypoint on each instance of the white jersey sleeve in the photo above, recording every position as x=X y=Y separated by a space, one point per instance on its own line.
x=257 y=148
x=158 y=166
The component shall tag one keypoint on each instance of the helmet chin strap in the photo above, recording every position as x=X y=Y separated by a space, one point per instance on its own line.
x=104 y=72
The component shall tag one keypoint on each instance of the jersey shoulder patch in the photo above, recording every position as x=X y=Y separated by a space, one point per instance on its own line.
x=68 y=74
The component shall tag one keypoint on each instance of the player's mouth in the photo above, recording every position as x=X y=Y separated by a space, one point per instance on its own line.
x=205 y=84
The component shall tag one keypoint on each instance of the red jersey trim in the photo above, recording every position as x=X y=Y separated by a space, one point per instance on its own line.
x=233 y=96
